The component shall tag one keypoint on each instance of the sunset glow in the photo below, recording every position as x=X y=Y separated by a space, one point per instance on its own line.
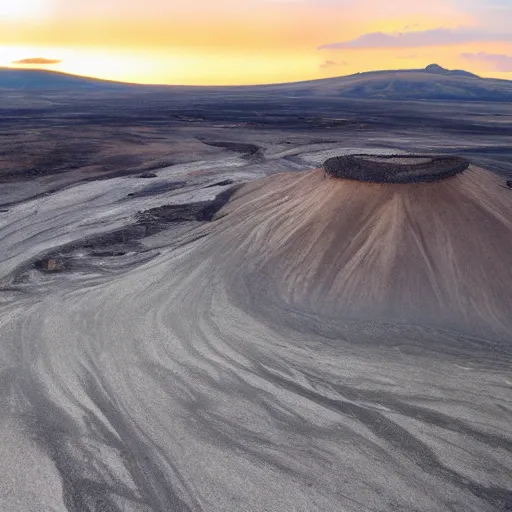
x=252 y=41
x=22 y=9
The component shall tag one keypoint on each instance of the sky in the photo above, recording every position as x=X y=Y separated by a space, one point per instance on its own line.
x=224 y=42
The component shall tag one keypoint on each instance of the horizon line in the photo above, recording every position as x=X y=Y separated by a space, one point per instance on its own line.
x=269 y=84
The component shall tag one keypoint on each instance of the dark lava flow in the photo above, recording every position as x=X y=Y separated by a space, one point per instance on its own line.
x=395 y=168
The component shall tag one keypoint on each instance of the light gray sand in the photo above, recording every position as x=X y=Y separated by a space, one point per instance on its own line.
x=322 y=346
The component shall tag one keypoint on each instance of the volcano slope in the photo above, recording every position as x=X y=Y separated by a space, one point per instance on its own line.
x=429 y=254
x=323 y=345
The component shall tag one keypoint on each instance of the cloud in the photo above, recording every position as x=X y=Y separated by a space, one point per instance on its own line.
x=433 y=37
x=332 y=64
x=409 y=56
x=497 y=61
x=40 y=61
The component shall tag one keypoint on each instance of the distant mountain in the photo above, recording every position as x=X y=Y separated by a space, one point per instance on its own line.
x=439 y=70
x=30 y=79
x=432 y=83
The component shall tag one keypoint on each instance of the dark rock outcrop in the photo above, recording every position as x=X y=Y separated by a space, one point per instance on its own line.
x=394 y=168
x=51 y=264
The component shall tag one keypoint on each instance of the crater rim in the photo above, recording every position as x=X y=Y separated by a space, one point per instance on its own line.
x=382 y=168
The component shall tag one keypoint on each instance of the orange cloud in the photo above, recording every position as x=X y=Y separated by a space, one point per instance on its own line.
x=38 y=61
x=432 y=37
x=496 y=61
x=328 y=64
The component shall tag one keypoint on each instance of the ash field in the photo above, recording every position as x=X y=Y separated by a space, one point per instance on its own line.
x=194 y=316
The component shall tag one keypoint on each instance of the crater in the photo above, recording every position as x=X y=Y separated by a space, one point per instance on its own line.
x=394 y=168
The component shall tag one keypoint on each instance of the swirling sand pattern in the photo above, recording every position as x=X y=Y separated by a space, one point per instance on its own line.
x=323 y=345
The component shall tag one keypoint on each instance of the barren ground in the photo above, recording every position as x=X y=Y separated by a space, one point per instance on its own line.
x=238 y=333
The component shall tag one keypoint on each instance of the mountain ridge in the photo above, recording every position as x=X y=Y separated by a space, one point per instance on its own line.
x=437 y=69
x=431 y=83
x=27 y=79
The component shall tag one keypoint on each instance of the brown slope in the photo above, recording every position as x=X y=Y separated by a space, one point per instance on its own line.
x=435 y=254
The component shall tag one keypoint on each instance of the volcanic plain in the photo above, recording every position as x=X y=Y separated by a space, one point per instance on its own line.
x=195 y=315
